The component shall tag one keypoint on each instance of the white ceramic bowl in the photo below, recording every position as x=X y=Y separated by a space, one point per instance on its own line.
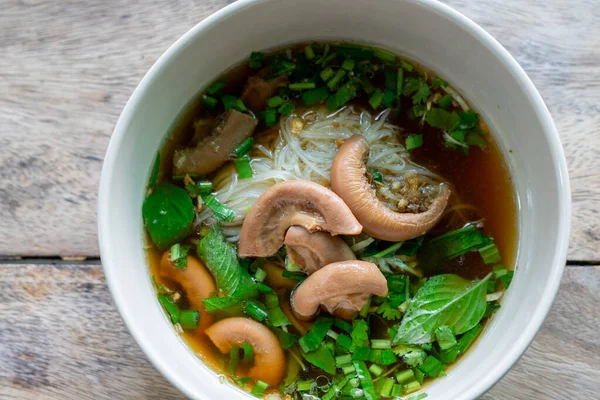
x=429 y=33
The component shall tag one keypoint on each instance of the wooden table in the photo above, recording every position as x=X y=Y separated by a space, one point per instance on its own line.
x=66 y=71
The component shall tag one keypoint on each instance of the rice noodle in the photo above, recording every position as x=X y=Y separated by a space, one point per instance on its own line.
x=309 y=155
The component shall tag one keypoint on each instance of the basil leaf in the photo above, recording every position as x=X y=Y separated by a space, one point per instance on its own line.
x=168 y=214
x=221 y=259
x=443 y=300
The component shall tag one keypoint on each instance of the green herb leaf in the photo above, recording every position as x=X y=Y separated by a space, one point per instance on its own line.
x=178 y=255
x=360 y=333
x=443 y=300
x=155 y=170
x=442 y=119
x=321 y=358
x=168 y=214
x=315 y=336
x=221 y=259
x=388 y=312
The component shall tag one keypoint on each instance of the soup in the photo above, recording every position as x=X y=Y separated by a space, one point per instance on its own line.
x=330 y=221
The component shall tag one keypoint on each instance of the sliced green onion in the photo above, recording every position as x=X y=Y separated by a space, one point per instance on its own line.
x=406 y=66
x=348 y=369
x=333 y=82
x=336 y=389
x=396 y=390
x=312 y=340
x=259 y=389
x=377 y=176
x=286 y=108
x=468 y=338
x=220 y=211
x=209 y=101
x=248 y=352
x=239 y=105
x=399 y=81
x=376 y=99
x=293 y=275
x=304 y=386
x=278 y=317
x=405 y=376
x=286 y=339
x=302 y=85
x=356 y=52
x=385 y=385
x=388 y=99
x=326 y=74
x=275 y=101
x=203 y=188
x=234 y=359
x=419 y=376
x=178 y=255
x=256 y=59
x=450 y=245
x=449 y=356
x=348 y=64
x=414 y=141
x=381 y=344
x=390 y=251
x=432 y=367
x=215 y=88
x=255 y=311
x=228 y=101
x=365 y=380
x=343 y=325
x=499 y=270
x=314 y=96
x=445 y=337
x=244 y=147
x=260 y=275
x=155 y=170
x=365 y=308
x=376 y=369
x=384 y=55
x=445 y=101
x=326 y=59
x=270 y=117
x=189 y=319
x=321 y=358
x=343 y=360
x=172 y=308
x=242 y=164
x=367 y=85
x=356 y=393
x=309 y=52
x=411 y=387
x=341 y=97
x=344 y=342
x=490 y=253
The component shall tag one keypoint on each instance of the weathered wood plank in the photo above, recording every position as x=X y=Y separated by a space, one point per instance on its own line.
x=69 y=67
x=61 y=337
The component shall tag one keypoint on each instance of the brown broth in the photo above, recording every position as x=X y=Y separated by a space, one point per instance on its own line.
x=480 y=179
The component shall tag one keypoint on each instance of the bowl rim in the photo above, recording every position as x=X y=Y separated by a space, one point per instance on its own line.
x=549 y=129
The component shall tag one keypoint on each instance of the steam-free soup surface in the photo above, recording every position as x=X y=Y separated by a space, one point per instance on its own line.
x=451 y=147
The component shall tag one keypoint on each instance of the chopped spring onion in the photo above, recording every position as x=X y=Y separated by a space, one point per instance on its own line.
x=499 y=270
x=286 y=108
x=302 y=85
x=388 y=99
x=384 y=386
x=305 y=386
x=234 y=359
x=507 y=279
x=220 y=211
x=309 y=52
x=178 y=255
x=228 y=101
x=341 y=97
x=450 y=245
x=494 y=296
x=366 y=381
x=215 y=88
x=270 y=117
x=414 y=141
x=376 y=369
x=333 y=82
x=449 y=356
x=490 y=253
x=377 y=176
x=343 y=325
x=256 y=59
x=336 y=389
x=445 y=337
x=445 y=102
x=384 y=55
x=399 y=82
x=348 y=369
x=244 y=148
x=356 y=393
x=312 y=340
x=332 y=334
x=172 y=308
x=293 y=275
x=209 y=101
x=287 y=340
x=203 y=188
x=411 y=387
x=432 y=367
x=405 y=376
x=255 y=311
x=278 y=317
x=365 y=309
x=390 y=251
x=364 y=243
x=343 y=360
x=275 y=101
x=189 y=319
x=260 y=275
x=468 y=337
x=376 y=99
x=406 y=66
x=419 y=376
x=344 y=342
x=348 y=64
x=314 y=96
x=396 y=390
x=321 y=358
x=382 y=357
x=155 y=170
x=326 y=74
x=356 y=52
x=259 y=389
x=381 y=344
x=325 y=59
x=248 y=352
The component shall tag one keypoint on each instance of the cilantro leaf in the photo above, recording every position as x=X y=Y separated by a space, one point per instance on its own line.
x=416 y=87
x=468 y=119
x=388 y=312
x=360 y=333
x=442 y=119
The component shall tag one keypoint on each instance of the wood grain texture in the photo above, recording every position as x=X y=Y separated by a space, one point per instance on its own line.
x=62 y=338
x=67 y=69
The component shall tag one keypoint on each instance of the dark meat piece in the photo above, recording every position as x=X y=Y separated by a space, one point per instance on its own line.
x=259 y=90
x=214 y=150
